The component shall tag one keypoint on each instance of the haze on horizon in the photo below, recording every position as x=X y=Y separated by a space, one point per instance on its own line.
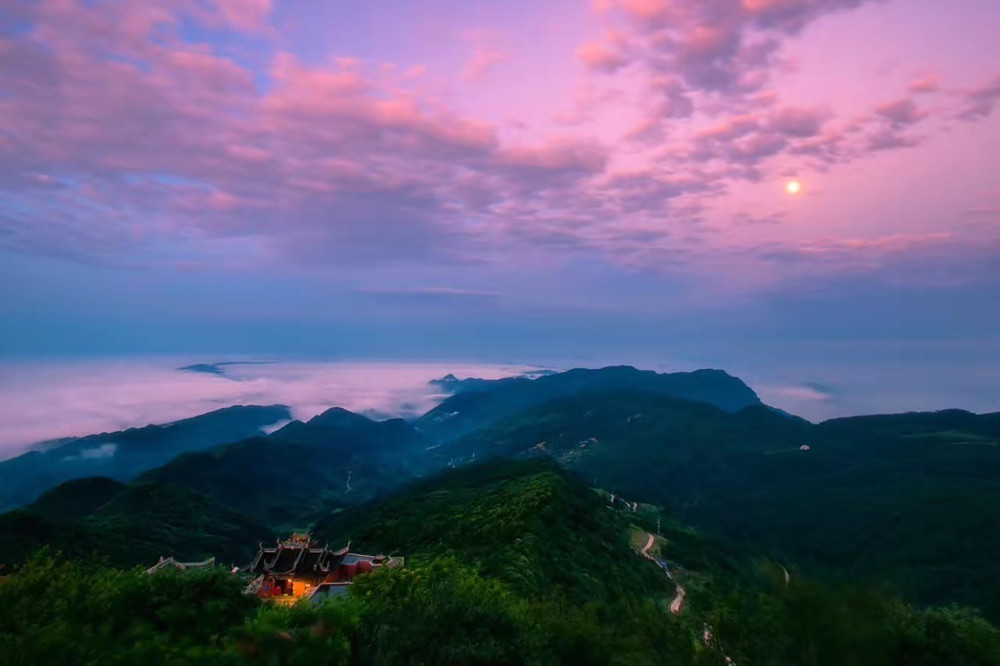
x=553 y=182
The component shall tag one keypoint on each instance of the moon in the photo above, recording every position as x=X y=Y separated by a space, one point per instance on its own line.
x=793 y=187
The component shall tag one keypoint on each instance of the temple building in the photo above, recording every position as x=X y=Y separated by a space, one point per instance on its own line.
x=299 y=568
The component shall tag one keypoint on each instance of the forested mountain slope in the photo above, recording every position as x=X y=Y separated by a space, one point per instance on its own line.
x=477 y=403
x=910 y=498
x=512 y=562
x=125 y=454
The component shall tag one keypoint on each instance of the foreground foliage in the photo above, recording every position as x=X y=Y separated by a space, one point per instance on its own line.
x=444 y=612
x=507 y=563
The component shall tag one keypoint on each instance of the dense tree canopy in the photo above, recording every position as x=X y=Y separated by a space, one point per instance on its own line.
x=507 y=563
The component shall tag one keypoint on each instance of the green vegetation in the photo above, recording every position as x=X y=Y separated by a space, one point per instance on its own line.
x=910 y=499
x=481 y=402
x=883 y=521
x=507 y=563
x=284 y=479
x=77 y=499
x=219 y=502
x=526 y=523
x=138 y=524
x=80 y=612
x=809 y=623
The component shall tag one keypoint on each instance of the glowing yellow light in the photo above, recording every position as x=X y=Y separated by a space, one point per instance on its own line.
x=793 y=187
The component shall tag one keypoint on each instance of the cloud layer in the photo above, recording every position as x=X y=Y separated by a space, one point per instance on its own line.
x=42 y=401
x=51 y=399
x=514 y=181
x=132 y=138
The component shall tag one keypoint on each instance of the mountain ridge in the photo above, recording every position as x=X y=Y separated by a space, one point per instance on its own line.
x=124 y=454
x=478 y=401
x=868 y=495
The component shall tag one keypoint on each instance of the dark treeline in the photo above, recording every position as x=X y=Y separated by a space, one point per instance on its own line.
x=444 y=612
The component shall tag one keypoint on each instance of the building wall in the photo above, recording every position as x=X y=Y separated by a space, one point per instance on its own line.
x=300 y=588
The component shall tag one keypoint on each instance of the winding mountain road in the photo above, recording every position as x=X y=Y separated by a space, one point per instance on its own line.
x=649 y=544
x=677 y=604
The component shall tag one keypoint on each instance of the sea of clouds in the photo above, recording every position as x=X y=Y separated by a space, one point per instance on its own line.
x=45 y=400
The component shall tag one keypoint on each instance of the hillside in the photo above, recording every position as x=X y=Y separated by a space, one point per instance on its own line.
x=911 y=499
x=220 y=501
x=508 y=562
x=128 y=525
x=125 y=454
x=281 y=480
x=77 y=498
x=149 y=520
x=350 y=438
x=524 y=522
x=636 y=442
x=477 y=403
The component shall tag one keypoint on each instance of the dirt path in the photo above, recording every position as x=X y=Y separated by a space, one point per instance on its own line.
x=645 y=549
x=676 y=606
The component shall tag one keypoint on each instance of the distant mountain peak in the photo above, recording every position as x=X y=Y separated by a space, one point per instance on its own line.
x=478 y=402
x=339 y=417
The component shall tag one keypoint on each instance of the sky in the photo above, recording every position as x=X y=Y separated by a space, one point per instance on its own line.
x=547 y=182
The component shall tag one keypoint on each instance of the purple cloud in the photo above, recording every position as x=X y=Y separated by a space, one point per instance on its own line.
x=979 y=101
x=901 y=112
x=129 y=142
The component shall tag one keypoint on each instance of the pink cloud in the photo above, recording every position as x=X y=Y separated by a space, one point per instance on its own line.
x=483 y=62
x=731 y=128
x=645 y=10
x=979 y=101
x=51 y=400
x=557 y=156
x=245 y=14
x=792 y=15
x=932 y=259
x=718 y=45
x=887 y=139
x=926 y=84
x=596 y=55
x=122 y=135
x=901 y=112
x=891 y=244
x=798 y=121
